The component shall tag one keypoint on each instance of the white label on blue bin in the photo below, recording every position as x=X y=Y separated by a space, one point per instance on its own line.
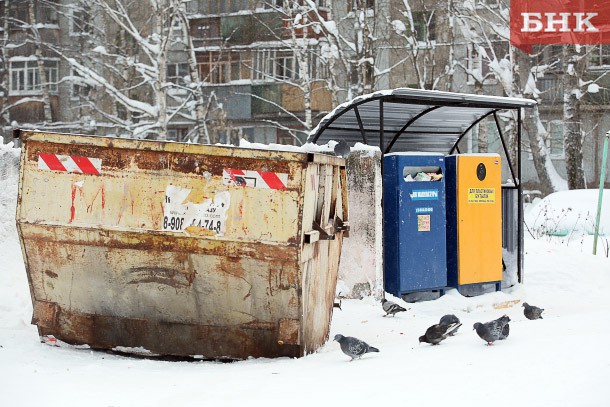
x=423 y=223
x=206 y=217
x=426 y=209
x=424 y=195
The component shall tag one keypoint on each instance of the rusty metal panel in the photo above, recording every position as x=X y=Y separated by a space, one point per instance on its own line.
x=140 y=183
x=44 y=314
x=289 y=332
x=320 y=266
x=181 y=249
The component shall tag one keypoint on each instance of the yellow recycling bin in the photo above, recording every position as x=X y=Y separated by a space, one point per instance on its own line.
x=474 y=219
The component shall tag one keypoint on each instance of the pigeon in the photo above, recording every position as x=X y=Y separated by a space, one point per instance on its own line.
x=436 y=333
x=391 y=308
x=342 y=149
x=532 y=312
x=493 y=330
x=505 y=332
x=354 y=347
x=450 y=319
x=506 y=328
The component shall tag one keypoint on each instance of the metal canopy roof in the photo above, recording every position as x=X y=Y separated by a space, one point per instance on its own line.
x=407 y=119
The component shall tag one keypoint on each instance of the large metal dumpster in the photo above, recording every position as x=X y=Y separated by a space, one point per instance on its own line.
x=180 y=249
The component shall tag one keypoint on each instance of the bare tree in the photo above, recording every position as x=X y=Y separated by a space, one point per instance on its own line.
x=303 y=69
x=201 y=108
x=364 y=58
x=21 y=46
x=4 y=80
x=126 y=63
x=484 y=24
x=572 y=78
x=42 y=73
x=428 y=60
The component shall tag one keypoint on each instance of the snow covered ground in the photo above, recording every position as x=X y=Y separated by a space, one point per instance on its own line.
x=562 y=360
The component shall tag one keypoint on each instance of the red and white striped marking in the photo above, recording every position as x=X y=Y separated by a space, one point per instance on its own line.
x=69 y=163
x=255 y=179
x=49 y=340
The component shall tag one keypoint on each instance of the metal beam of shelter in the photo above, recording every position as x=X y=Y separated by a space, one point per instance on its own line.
x=414 y=120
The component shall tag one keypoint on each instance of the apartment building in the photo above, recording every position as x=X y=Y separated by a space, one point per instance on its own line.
x=266 y=71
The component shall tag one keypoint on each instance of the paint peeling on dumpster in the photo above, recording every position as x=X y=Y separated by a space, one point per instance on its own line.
x=180 y=249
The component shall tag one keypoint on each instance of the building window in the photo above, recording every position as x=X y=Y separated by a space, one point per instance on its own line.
x=278 y=4
x=177 y=73
x=224 y=6
x=482 y=4
x=273 y=4
x=555 y=139
x=318 y=68
x=80 y=88
x=423 y=25
x=355 y=5
x=44 y=12
x=273 y=64
x=176 y=31
x=555 y=54
x=477 y=62
x=551 y=89
x=25 y=76
x=80 y=21
x=205 y=31
x=600 y=55
x=19 y=12
x=177 y=133
x=286 y=138
x=215 y=67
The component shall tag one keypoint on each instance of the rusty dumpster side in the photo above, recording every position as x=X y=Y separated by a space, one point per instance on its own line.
x=180 y=249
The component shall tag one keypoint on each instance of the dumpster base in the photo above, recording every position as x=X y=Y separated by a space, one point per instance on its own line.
x=162 y=338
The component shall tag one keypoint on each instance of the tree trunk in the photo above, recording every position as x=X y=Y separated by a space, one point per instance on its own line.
x=364 y=51
x=306 y=86
x=159 y=84
x=482 y=139
x=338 y=63
x=536 y=136
x=547 y=175
x=302 y=55
x=572 y=135
x=201 y=133
x=42 y=73
x=125 y=83
x=5 y=119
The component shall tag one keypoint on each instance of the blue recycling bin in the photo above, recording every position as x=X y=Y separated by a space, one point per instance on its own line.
x=414 y=223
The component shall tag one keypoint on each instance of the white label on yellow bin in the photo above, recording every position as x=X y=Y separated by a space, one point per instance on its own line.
x=481 y=195
x=423 y=223
x=180 y=214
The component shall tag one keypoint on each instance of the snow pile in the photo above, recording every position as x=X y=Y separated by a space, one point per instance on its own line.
x=569 y=215
x=305 y=148
x=560 y=360
x=327 y=148
x=9 y=171
x=14 y=293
